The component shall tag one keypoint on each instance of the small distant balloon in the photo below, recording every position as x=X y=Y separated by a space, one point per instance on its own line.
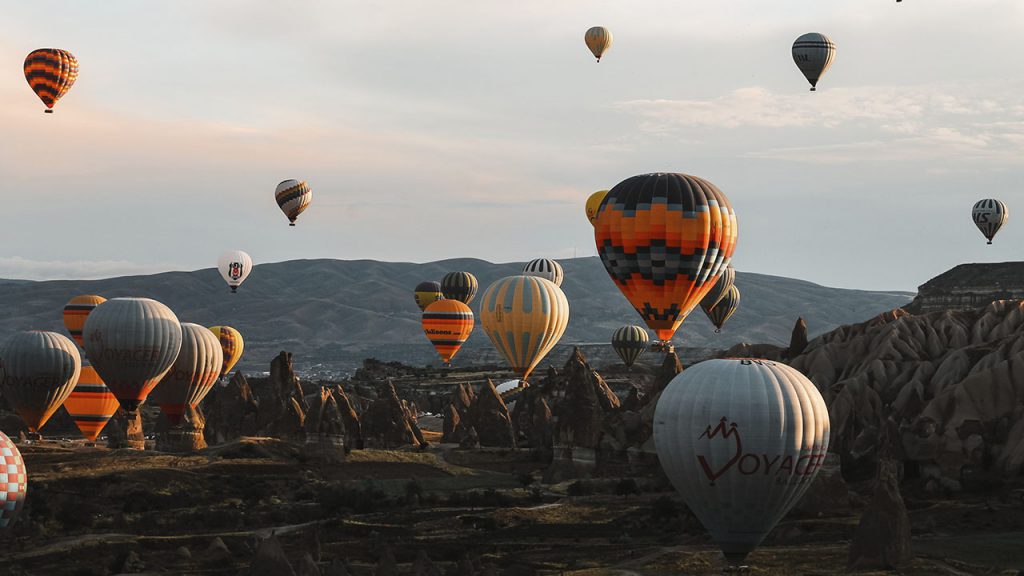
x=546 y=269
x=447 y=324
x=293 y=197
x=630 y=342
x=51 y=72
x=461 y=286
x=426 y=293
x=76 y=311
x=599 y=40
x=813 y=54
x=720 y=313
x=989 y=216
x=593 y=203
x=234 y=266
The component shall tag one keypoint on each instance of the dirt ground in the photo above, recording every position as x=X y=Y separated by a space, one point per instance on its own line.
x=92 y=511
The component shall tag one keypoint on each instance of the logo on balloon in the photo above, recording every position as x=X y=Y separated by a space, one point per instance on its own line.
x=785 y=469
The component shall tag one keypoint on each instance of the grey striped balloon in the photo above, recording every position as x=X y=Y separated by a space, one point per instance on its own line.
x=813 y=54
x=989 y=216
x=721 y=288
x=630 y=342
x=40 y=369
x=546 y=269
x=741 y=440
x=193 y=373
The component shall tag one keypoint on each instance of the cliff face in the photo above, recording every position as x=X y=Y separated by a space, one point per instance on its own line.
x=943 y=392
x=970 y=286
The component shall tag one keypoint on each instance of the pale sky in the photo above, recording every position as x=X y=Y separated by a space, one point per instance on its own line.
x=454 y=128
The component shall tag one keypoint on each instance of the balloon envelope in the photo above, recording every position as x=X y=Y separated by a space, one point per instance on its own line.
x=234 y=267
x=39 y=371
x=426 y=293
x=91 y=404
x=593 y=203
x=461 y=286
x=989 y=216
x=725 y=308
x=599 y=40
x=13 y=482
x=664 y=239
x=193 y=373
x=546 y=269
x=76 y=311
x=813 y=54
x=293 y=197
x=524 y=316
x=630 y=342
x=231 y=344
x=132 y=342
x=741 y=440
x=50 y=72
x=447 y=324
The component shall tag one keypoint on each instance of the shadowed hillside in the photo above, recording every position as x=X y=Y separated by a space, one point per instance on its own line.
x=334 y=313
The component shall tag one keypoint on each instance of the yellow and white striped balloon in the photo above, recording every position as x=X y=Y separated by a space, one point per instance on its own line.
x=524 y=316
x=599 y=40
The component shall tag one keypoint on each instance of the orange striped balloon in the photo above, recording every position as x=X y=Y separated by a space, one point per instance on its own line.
x=76 y=311
x=91 y=404
x=448 y=324
x=51 y=73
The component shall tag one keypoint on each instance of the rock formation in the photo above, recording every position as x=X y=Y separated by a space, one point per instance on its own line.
x=349 y=416
x=325 y=428
x=270 y=559
x=388 y=424
x=489 y=416
x=969 y=287
x=798 y=341
x=882 y=539
x=231 y=411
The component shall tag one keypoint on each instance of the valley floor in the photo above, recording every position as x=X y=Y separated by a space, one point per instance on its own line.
x=92 y=511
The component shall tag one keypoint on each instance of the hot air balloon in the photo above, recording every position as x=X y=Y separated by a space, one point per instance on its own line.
x=593 y=203
x=132 y=342
x=546 y=269
x=50 y=73
x=629 y=342
x=13 y=482
x=39 y=371
x=725 y=308
x=231 y=344
x=665 y=239
x=813 y=54
x=448 y=324
x=719 y=290
x=599 y=40
x=524 y=316
x=77 y=310
x=192 y=375
x=426 y=293
x=91 y=404
x=989 y=216
x=234 y=266
x=741 y=440
x=461 y=286
x=510 y=390
x=293 y=196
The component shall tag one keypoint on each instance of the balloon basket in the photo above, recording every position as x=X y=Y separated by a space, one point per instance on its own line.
x=291 y=223
x=48 y=111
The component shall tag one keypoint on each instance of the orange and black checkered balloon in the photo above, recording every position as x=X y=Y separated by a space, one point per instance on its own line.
x=664 y=239
x=50 y=72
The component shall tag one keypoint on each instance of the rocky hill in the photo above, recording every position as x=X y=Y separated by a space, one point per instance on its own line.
x=970 y=286
x=332 y=313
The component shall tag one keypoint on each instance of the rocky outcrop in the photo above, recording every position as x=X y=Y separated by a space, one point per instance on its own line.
x=951 y=382
x=350 y=418
x=325 y=429
x=882 y=539
x=270 y=559
x=231 y=411
x=388 y=424
x=969 y=287
x=283 y=405
x=798 y=341
x=489 y=416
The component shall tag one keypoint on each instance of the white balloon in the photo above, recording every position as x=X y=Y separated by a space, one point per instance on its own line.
x=741 y=440
x=234 y=266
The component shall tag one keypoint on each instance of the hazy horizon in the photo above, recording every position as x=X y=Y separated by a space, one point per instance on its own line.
x=439 y=130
